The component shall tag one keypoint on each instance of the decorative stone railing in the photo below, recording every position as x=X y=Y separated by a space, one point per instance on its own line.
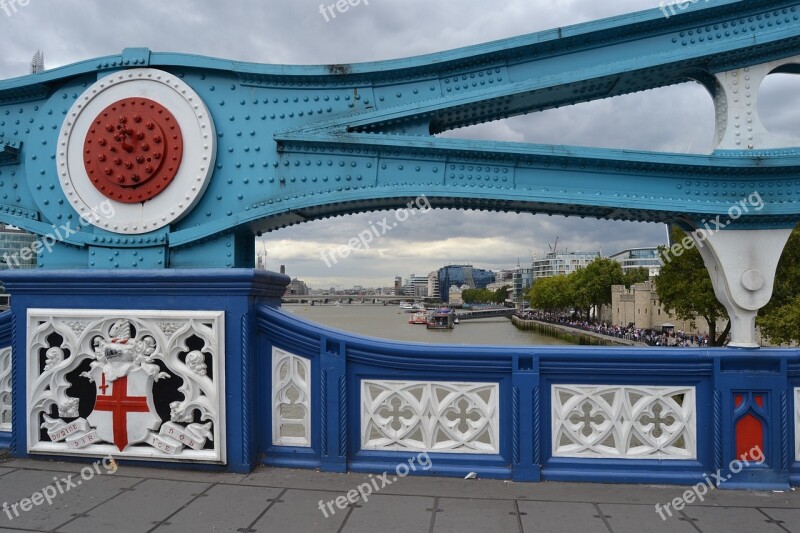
x=178 y=372
x=529 y=413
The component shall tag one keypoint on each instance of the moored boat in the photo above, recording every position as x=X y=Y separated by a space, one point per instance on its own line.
x=441 y=319
x=419 y=318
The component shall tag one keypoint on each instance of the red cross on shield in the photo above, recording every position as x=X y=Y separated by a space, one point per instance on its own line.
x=124 y=412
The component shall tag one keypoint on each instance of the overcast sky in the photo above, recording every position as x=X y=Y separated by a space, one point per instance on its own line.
x=678 y=119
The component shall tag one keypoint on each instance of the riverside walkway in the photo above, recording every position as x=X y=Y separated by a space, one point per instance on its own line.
x=559 y=330
x=135 y=499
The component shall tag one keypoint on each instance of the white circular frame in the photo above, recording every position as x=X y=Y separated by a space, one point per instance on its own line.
x=194 y=174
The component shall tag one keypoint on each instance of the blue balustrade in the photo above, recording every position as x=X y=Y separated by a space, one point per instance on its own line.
x=566 y=414
x=297 y=394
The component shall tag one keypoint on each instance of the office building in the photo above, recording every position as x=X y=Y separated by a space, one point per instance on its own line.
x=634 y=258
x=459 y=275
x=433 y=285
x=561 y=263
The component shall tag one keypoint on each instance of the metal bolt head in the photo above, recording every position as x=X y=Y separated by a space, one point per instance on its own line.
x=753 y=280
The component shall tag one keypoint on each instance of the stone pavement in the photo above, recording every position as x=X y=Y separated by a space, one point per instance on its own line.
x=137 y=499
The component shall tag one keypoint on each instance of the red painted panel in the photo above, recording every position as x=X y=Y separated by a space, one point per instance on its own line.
x=739 y=399
x=760 y=401
x=749 y=435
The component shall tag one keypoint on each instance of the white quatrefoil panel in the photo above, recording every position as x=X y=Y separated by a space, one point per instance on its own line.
x=624 y=422
x=439 y=417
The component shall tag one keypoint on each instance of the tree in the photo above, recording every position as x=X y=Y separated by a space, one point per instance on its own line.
x=477 y=296
x=780 y=319
x=684 y=288
x=781 y=325
x=579 y=292
x=582 y=290
x=636 y=275
x=501 y=294
x=598 y=278
x=551 y=294
x=592 y=285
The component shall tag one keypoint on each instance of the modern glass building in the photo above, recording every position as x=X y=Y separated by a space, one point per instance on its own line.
x=474 y=278
x=523 y=280
x=561 y=263
x=639 y=258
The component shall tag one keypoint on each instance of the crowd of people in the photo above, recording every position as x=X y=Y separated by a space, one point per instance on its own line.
x=650 y=337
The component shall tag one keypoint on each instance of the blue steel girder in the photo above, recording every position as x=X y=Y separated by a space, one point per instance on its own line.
x=298 y=143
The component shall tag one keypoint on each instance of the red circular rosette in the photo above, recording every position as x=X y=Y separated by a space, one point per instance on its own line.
x=133 y=150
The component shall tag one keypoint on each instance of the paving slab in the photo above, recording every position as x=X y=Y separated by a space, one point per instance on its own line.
x=638 y=518
x=140 y=509
x=730 y=519
x=77 y=499
x=503 y=490
x=392 y=514
x=298 y=510
x=130 y=469
x=272 y=499
x=559 y=517
x=305 y=479
x=459 y=516
x=46 y=466
x=788 y=518
x=229 y=508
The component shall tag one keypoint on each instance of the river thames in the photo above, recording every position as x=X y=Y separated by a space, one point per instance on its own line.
x=390 y=322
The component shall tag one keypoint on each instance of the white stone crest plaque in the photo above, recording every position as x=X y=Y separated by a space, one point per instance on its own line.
x=133 y=384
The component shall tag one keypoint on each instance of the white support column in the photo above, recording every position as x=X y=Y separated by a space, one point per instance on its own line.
x=742 y=264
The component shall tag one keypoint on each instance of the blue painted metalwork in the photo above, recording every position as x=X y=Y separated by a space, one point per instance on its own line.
x=299 y=143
